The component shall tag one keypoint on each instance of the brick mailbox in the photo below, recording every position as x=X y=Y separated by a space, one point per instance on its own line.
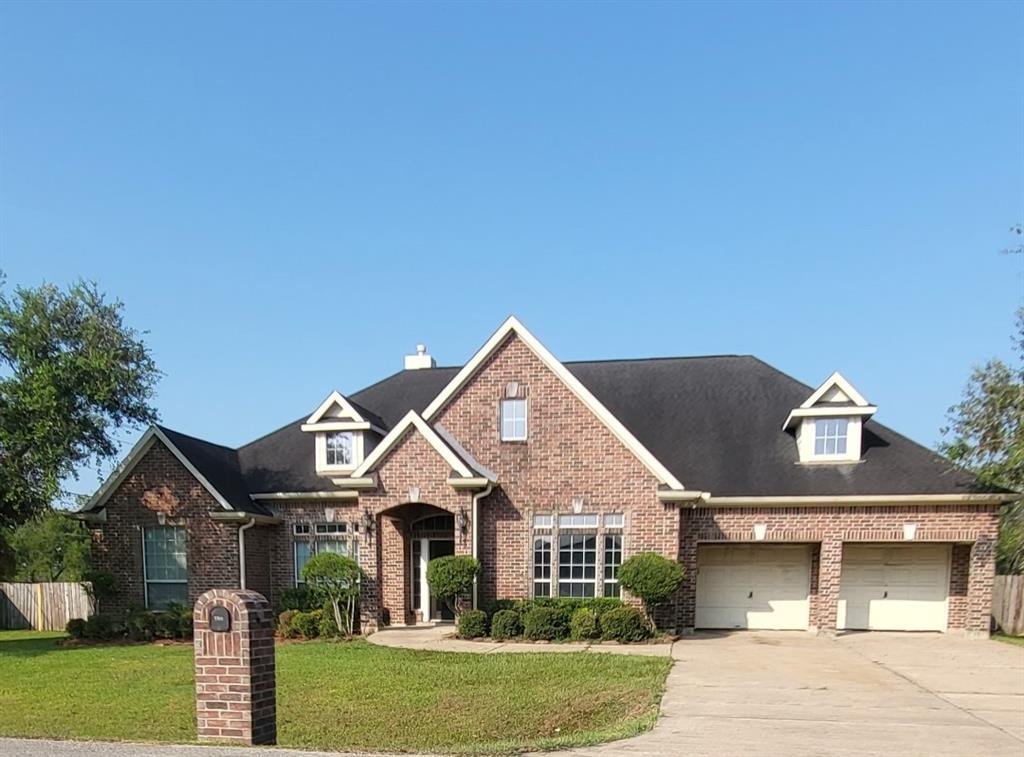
x=234 y=658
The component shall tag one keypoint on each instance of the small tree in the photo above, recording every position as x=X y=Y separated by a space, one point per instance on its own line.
x=651 y=577
x=99 y=585
x=337 y=577
x=451 y=578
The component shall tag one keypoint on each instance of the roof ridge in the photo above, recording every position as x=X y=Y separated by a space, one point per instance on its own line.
x=659 y=357
x=165 y=429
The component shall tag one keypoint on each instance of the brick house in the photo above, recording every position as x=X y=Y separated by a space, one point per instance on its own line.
x=788 y=506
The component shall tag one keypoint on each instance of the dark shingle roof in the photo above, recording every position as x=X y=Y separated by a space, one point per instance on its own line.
x=715 y=422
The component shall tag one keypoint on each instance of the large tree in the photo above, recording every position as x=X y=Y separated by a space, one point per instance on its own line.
x=49 y=547
x=72 y=373
x=986 y=435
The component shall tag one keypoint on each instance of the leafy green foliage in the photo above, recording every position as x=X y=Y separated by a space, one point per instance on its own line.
x=506 y=624
x=583 y=624
x=546 y=624
x=71 y=374
x=472 y=624
x=336 y=577
x=303 y=598
x=102 y=628
x=599 y=605
x=286 y=624
x=49 y=547
x=328 y=626
x=76 y=628
x=451 y=579
x=100 y=585
x=651 y=577
x=307 y=624
x=986 y=435
x=624 y=624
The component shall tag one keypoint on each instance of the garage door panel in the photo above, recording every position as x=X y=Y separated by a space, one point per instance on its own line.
x=753 y=586
x=894 y=587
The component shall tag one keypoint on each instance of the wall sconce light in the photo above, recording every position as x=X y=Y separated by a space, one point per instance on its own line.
x=368 y=523
x=461 y=521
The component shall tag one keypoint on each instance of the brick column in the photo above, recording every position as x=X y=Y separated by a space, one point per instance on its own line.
x=687 y=600
x=825 y=604
x=234 y=660
x=370 y=611
x=979 y=587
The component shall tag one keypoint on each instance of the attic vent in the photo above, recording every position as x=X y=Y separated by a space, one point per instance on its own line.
x=512 y=389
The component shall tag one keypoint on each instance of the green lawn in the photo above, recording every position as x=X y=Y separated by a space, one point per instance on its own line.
x=1018 y=640
x=337 y=696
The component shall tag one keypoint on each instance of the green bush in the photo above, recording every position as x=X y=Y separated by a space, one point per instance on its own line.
x=495 y=606
x=546 y=624
x=506 y=624
x=166 y=625
x=175 y=622
x=472 y=624
x=285 y=624
x=328 y=626
x=102 y=627
x=76 y=628
x=651 y=577
x=583 y=623
x=624 y=624
x=599 y=605
x=99 y=585
x=451 y=578
x=336 y=578
x=307 y=624
x=140 y=624
x=301 y=598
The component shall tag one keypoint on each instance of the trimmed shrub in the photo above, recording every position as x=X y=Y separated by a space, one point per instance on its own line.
x=506 y=624
x=102 y=627
x=301 y=598
x=624 y=624
x=451 y=578
x=140 y=624
x=336 y=578
x=307 y=624
x=166 y=625
x=285 y=624
x=328 y=626
x=76 y=628
x=99 y=585
x=495 y=606
x=546 y=624
x=599 y=605
x=472 y=624
x=583 y=623
x=651 y=577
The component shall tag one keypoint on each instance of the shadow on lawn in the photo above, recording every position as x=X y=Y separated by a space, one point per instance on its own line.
x=29 y=646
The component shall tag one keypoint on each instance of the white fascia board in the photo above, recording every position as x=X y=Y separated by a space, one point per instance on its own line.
x=261 y=496
x=478 y=482
x=613 y=424
x=825 y=411
x=335 y=398
x=410 y=421
x=137 y=452
x=341 y=426
x=862 y=499
x=836 y=380
x=686 y=495
x=238 y=516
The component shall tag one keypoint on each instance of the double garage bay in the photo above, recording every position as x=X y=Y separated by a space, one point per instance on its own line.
x=883 y=587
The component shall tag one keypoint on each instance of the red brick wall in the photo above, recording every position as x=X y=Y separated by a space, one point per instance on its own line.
x=159 y=483
x=257 y=560
x=570 y=454
x=972 y=569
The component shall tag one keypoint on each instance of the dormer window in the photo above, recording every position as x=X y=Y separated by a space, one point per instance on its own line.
x=340 y=449
x=830 y=436
x=829 y=424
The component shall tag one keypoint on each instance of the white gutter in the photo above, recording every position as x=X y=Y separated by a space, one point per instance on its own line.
x=476 y=511
x=863 y=499
x=241 y=549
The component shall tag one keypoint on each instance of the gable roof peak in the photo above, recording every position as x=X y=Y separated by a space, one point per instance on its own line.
x=335 y=400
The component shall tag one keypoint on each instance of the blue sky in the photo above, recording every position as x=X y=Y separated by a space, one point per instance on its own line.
x=289 y=197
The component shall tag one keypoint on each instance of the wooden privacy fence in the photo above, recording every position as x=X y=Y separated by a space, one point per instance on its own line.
x=1008 y=604
x=42 y=606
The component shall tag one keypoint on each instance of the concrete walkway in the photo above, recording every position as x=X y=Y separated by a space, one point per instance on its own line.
x=441 y=638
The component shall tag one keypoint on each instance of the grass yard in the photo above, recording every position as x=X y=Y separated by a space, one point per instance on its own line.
x=337 y=696
x=1017 y=640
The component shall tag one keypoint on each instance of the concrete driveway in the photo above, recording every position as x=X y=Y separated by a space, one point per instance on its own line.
x=775 y=693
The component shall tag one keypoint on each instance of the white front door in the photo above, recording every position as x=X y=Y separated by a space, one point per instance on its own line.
x=753 y=586
x=903 y=587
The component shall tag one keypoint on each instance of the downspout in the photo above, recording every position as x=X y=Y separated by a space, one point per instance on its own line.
x=476 y=510
x=241 y=549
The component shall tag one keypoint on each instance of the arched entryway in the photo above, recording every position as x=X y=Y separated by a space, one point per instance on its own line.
x=431 y=537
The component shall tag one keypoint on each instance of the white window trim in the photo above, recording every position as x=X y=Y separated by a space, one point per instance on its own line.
x=513 y=421
x=146 y=580
x=579 y=527
x=534 y=581
x=321 y=454
x=805 y=436
x=313 y=538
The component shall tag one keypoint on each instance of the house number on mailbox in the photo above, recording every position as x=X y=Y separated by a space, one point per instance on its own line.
x=220 y=619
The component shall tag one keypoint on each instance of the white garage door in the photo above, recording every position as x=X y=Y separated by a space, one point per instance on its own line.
x=753 y=586
x=894 y=588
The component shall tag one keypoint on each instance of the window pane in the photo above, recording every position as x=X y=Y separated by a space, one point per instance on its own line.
x=162 y=594
x=513 y=419
x=542 y=521
x=613 y=520
x=339 y=448
x=303 y=551
x=166 y=558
